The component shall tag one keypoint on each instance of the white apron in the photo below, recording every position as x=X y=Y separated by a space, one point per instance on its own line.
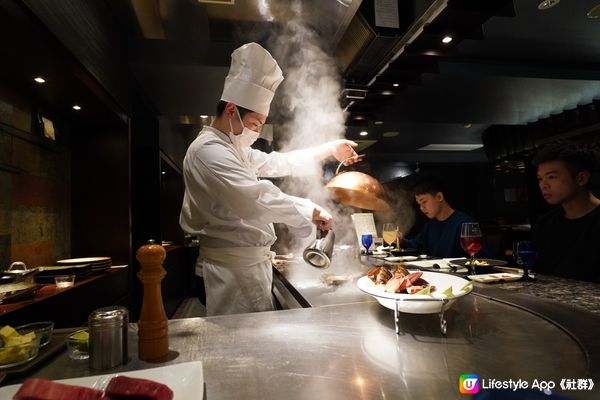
x=232 y=213
x=237 y=279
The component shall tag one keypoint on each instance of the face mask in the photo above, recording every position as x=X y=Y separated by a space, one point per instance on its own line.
x=244 y=139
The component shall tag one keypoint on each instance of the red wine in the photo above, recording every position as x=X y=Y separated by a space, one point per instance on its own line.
x=471 y=244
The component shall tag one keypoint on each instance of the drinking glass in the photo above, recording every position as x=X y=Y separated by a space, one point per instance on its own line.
x=525 y=256
x=471 y=240
x=389 y=234
x=366 y=240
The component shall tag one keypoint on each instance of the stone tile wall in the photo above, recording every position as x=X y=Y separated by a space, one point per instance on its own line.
x=34 y=194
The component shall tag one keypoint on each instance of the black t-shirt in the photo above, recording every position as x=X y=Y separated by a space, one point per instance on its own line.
x=568 y=247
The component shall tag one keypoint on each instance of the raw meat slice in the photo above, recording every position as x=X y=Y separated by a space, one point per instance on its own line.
x=137 y=388
x=44 y=389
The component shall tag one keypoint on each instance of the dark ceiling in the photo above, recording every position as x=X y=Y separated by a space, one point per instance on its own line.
x=509 y=63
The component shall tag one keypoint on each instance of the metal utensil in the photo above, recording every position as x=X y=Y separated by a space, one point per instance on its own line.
x=357 y=189
x=319 y=252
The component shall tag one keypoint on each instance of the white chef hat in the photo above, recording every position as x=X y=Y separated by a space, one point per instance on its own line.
x=253 y=78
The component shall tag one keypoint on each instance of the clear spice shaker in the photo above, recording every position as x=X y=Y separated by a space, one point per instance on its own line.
x=108 y=337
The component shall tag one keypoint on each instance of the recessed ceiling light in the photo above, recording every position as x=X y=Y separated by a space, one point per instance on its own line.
x=378 y=122
x=359 y=117
x=594 y=12
x=395 y=84
x=39 y=79
x=450 y=147
x=76 y=107
x=546 y=4
x=447 y=39
x=204 y=116
x=391 y=134
x=467 y=125
x=387 y=92
x=364 y=133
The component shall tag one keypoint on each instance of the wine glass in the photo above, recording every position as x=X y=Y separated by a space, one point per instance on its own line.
x=525 y=257
x=366 y=240
x=389 y=234
x=471 y=240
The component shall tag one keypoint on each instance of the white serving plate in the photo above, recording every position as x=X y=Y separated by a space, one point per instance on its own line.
x=420 y=303
x=496 y=277
x=379 y=254
x=185 y=380
x=401 y=258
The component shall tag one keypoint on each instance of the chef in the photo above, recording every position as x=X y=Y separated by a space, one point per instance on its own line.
x=227 y=207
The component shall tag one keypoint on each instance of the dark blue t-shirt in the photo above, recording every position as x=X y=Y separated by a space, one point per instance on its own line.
x=440 y=238
x=568 y=247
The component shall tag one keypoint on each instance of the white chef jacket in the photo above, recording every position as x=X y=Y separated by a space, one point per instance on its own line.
x=225 y=204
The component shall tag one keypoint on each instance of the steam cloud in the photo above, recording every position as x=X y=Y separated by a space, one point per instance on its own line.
x=309 y=113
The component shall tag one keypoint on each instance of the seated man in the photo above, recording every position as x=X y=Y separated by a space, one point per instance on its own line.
x=566 y=238
x=440 y=236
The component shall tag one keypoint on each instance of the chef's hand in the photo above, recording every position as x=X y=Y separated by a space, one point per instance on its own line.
x=343 y=150
x=322 y=219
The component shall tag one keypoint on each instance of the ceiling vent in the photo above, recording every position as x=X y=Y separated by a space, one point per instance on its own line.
x=358 y=35
x=350 y=95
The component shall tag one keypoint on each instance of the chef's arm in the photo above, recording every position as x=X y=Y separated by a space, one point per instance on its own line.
x=341 y=150
x=303 y=162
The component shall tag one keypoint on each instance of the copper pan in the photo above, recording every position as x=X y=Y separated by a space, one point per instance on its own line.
x=357 y=189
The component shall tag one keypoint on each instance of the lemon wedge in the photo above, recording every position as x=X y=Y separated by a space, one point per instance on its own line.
x=81 y=335
x=425 y=290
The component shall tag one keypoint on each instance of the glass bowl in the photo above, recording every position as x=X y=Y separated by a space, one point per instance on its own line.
x=78 y=345
x=43 y=329
x=19 y=353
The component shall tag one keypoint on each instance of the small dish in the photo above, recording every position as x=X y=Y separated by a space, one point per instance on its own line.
x=479 y=262
x=43 y=329
x=497 y=277
x=64 y=281
x=379 y=254
x=78 y=345
x=19 y=353
x=401 y=259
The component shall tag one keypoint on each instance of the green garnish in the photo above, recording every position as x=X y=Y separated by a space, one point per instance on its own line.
x=425 y=290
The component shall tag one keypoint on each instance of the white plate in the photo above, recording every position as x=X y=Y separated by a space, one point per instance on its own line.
x=377 y=253
x=497 y=277
x=185 y=380
x=419 y=303
x=402 y=258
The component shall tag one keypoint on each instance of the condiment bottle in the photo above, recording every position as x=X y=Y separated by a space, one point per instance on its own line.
x=108 y=337
x=153 y=339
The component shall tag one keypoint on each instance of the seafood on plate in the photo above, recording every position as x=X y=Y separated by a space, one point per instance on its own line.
x=379 y=275
x=400 y=280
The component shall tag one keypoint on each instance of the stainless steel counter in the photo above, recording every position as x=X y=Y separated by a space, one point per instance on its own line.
x=346 y=348
x=351 y=351
x=307 y=282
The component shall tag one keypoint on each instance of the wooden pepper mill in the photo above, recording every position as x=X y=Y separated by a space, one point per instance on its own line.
x=153 y=335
